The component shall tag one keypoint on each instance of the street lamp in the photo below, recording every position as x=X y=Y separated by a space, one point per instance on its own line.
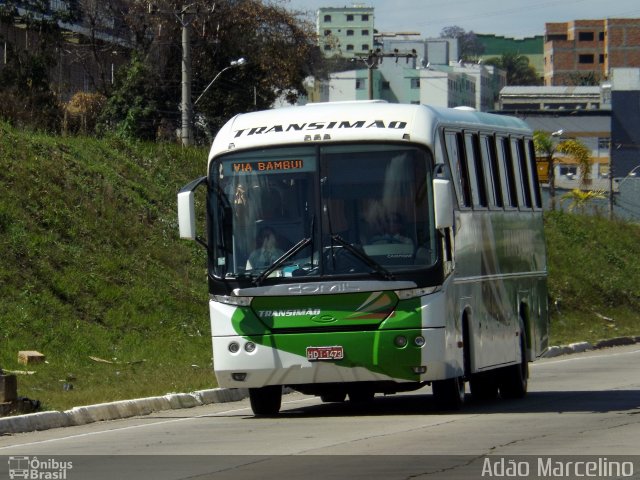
x=234 y=63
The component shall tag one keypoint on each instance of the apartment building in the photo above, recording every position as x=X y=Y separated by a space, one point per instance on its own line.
x=345 y=31
x=588 y=49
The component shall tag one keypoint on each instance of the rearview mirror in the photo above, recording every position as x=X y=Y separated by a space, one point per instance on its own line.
x=442 y=203
x=187 y=209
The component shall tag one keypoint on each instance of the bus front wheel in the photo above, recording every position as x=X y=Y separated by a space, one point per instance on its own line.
x=449 y=393
x=266 y=400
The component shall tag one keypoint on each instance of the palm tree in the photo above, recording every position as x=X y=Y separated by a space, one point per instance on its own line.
x=546 y=146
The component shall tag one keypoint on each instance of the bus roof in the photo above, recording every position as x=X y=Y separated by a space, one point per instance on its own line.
x=350 y=121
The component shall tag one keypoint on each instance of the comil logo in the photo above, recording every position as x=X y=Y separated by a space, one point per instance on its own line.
x=38 y=469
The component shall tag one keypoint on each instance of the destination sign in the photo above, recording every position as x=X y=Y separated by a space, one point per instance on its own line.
x=235 y=168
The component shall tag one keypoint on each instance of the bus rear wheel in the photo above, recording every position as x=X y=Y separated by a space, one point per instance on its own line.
x=515 y=379
x=449 y=393
x=266 y=400
x=484 y=386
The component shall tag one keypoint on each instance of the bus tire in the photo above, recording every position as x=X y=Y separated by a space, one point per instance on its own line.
x=266 y=400
x=361 y=395
x=449 y=393
x=333 y=397
x=515 y=379
x=484 y=386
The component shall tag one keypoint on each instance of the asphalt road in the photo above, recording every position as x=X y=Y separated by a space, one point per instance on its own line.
x=585 y=405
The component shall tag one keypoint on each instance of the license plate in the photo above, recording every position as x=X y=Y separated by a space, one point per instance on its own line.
x=325 y=353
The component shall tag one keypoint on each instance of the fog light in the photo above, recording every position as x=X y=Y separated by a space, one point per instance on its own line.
x=420 y=370
x=249 y=347
x=400 y=341
x=419 y=341
x=234 y=347
x=239 y=377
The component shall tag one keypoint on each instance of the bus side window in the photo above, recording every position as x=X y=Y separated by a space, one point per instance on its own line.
x=507 y=173
x=531 y=162
x=455 y=152
x=490 y=157
x=476 y=169
x=521 y=172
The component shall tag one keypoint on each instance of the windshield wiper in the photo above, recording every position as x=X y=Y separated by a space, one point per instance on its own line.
x=283 y=258
x=364 y=257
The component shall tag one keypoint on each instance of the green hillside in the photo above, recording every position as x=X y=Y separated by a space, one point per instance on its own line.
x=95 y=277
x=92 y=267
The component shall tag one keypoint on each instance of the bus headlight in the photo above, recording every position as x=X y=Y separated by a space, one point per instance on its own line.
x=234 y=347
x=419 y=341
x=249 y=347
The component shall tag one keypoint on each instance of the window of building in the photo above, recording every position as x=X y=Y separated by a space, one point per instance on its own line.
x=585 y=58
x=327 y=33
x=365 y=18
x=585 y=36
x=601 y=36
x=349 y=48
x=601 y=58
x=415 y=83
x=349 y=33
x=327 y=47
x=360 y=84
x=349 y=18
x=365 y=32
x=365 y=47
x=327 y=18
x=386 y=85
x=603 y=143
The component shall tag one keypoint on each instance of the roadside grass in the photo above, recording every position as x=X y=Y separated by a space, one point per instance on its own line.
x=94 y=276
x=92 y=267
x=594 y=277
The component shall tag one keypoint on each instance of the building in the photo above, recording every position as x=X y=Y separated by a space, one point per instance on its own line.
x=345 y=31
x=625 y=121
x=554 y=98
x=584 y=51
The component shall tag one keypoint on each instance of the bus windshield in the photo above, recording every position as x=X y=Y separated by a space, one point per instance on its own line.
x=347 y=209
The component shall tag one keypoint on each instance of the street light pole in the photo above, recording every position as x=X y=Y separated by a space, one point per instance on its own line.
x=234 y=63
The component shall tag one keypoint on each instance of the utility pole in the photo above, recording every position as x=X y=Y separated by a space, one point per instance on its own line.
x=610 y=181
x=186 y=107
x=374 y=58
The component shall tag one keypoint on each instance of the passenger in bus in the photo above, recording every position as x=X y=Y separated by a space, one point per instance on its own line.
x=266 y=251
x=391 y=231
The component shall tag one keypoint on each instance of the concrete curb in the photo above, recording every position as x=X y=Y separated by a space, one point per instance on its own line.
x=117 y=410
x=171 y=401
x=584 y=346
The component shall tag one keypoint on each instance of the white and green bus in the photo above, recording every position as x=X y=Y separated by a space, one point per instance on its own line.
x=359 y=248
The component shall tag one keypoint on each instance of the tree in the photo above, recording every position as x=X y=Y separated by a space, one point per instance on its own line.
x=579 y=198
x=581 y=155
x=545 y=145
x=582 y=79
x=26 y=97
x=469 y=46
x=133 y=110
x=279 y=48
x=519 y=71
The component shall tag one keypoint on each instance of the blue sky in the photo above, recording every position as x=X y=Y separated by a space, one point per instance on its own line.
x=513 y=18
